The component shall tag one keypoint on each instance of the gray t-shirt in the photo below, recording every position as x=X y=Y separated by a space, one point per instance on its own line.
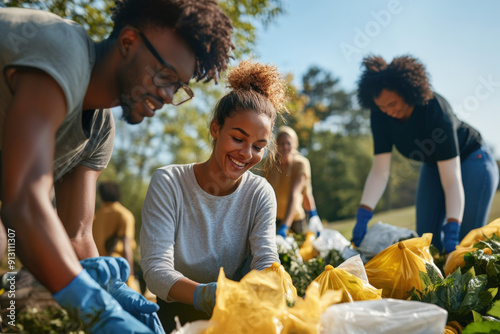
x=62 y=49
x=187 y=232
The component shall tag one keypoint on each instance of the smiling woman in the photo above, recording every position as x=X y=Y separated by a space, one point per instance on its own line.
x=218 y=205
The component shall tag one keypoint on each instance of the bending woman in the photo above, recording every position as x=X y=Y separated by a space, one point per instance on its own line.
x=291 y=181
x=458 y=177
x=199 y=217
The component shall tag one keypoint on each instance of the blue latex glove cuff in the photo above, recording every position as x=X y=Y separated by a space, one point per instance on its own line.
x=204 y=297
x=107 y=269
x=283 y=230
x=96 y=308
x=312 y=213
x=363 y=216
x=111 y=274
x=451 y=239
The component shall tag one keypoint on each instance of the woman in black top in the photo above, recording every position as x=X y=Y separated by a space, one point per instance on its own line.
x=458 y=177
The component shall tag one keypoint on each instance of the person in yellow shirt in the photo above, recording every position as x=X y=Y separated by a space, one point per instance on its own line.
x=114 y=228
x=291 y=181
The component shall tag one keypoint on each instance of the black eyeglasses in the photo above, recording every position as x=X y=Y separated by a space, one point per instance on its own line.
x=167 y=76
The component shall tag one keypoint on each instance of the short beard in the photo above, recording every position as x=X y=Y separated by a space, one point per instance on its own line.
x=127 y=112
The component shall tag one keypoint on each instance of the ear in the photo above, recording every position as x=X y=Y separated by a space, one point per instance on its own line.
x=127 y=38
x=214 y=129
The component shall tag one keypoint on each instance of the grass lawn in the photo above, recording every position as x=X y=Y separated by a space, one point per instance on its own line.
x=404 y=217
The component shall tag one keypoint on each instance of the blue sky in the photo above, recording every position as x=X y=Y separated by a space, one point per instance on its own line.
x=458 y=41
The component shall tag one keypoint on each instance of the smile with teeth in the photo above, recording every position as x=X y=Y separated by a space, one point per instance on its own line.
x=150 y=105
x=236 y=162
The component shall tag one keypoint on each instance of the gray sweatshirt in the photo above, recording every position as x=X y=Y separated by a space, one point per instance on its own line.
x=187 y=232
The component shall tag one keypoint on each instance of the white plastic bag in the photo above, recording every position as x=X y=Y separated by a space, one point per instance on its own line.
x=328 y=240
x=354 y=265
x=387 y=316
x=380 y=236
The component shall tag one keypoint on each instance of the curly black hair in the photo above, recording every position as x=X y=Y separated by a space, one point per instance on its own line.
x=201 y=23
x=405 y=76
x=109 y=191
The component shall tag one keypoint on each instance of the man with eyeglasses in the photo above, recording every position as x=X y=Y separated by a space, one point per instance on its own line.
x=57 y=135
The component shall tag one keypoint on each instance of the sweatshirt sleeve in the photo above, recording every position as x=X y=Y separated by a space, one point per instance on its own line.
x=263 y=232
x=158 y=235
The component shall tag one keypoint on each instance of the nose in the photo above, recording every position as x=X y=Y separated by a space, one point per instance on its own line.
x=246 y=152
x=167 y=94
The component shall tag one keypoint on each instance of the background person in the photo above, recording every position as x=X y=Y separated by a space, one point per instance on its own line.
x=458 y=177
x=197 y=218
x=54 y=133
x=114 y=228
x=291 y=181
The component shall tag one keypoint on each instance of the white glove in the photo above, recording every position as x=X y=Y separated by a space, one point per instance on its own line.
x=315 y=225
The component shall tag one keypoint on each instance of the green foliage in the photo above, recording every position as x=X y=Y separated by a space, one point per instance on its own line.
x=486 y=324
x=303 y=273
x=458 y=293
x=47 y=320
x=93 y=15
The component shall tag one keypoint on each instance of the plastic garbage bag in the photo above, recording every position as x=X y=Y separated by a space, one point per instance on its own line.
x=478 y=234
x=353 y=288
x=328 y=240
x=396 y=269
x=380 y=236
x=355 y=266
x=306 y=251
x=286 y=281
x=256 y=304
x=387 y=316
x=456 y=258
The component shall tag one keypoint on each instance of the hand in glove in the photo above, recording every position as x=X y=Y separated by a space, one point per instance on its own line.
x=315 y=224
x=283 y=230
x=362 y=218
x=111 y=273
x=451 y=231
x=204 y=297
x=96 y=308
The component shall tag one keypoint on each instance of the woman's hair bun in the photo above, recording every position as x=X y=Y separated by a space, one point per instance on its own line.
x=264 y=79
x=374 y=63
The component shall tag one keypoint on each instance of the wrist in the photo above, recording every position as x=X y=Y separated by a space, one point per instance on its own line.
x=312 y=213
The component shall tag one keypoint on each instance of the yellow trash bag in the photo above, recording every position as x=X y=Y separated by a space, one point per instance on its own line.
x=306 y=251
x=257 y=304
x=396 y=269
x=478 y=234
x=456 y=258
x=353 y=288
x=286 y=281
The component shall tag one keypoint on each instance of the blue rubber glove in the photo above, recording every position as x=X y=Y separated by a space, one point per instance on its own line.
x=315 y=224
x=362 y=218
x=451 y=231
x=96 y=308
x=141 y=308
x=283 y=230
x=111 y=274
x=204 y=297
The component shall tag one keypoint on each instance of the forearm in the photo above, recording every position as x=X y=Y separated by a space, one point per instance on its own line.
x=451 y=181
x=183 y=290
x=376 y=181
x=128 y=254
x=42 y=244
x=289 y=215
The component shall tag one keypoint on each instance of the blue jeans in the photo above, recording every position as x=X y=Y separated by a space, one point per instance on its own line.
x=480 y=181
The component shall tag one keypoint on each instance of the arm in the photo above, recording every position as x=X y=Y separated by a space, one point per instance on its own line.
x=376 y=181
x=38 y=109
x=374 y=188
x=157 y=238
x=297 y=186
x=75 y=198
x=451 y=180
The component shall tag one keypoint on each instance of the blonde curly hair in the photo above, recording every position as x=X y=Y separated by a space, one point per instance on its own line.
x=254 y=86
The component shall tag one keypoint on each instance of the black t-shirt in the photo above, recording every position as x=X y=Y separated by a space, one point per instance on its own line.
x=432 y=133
